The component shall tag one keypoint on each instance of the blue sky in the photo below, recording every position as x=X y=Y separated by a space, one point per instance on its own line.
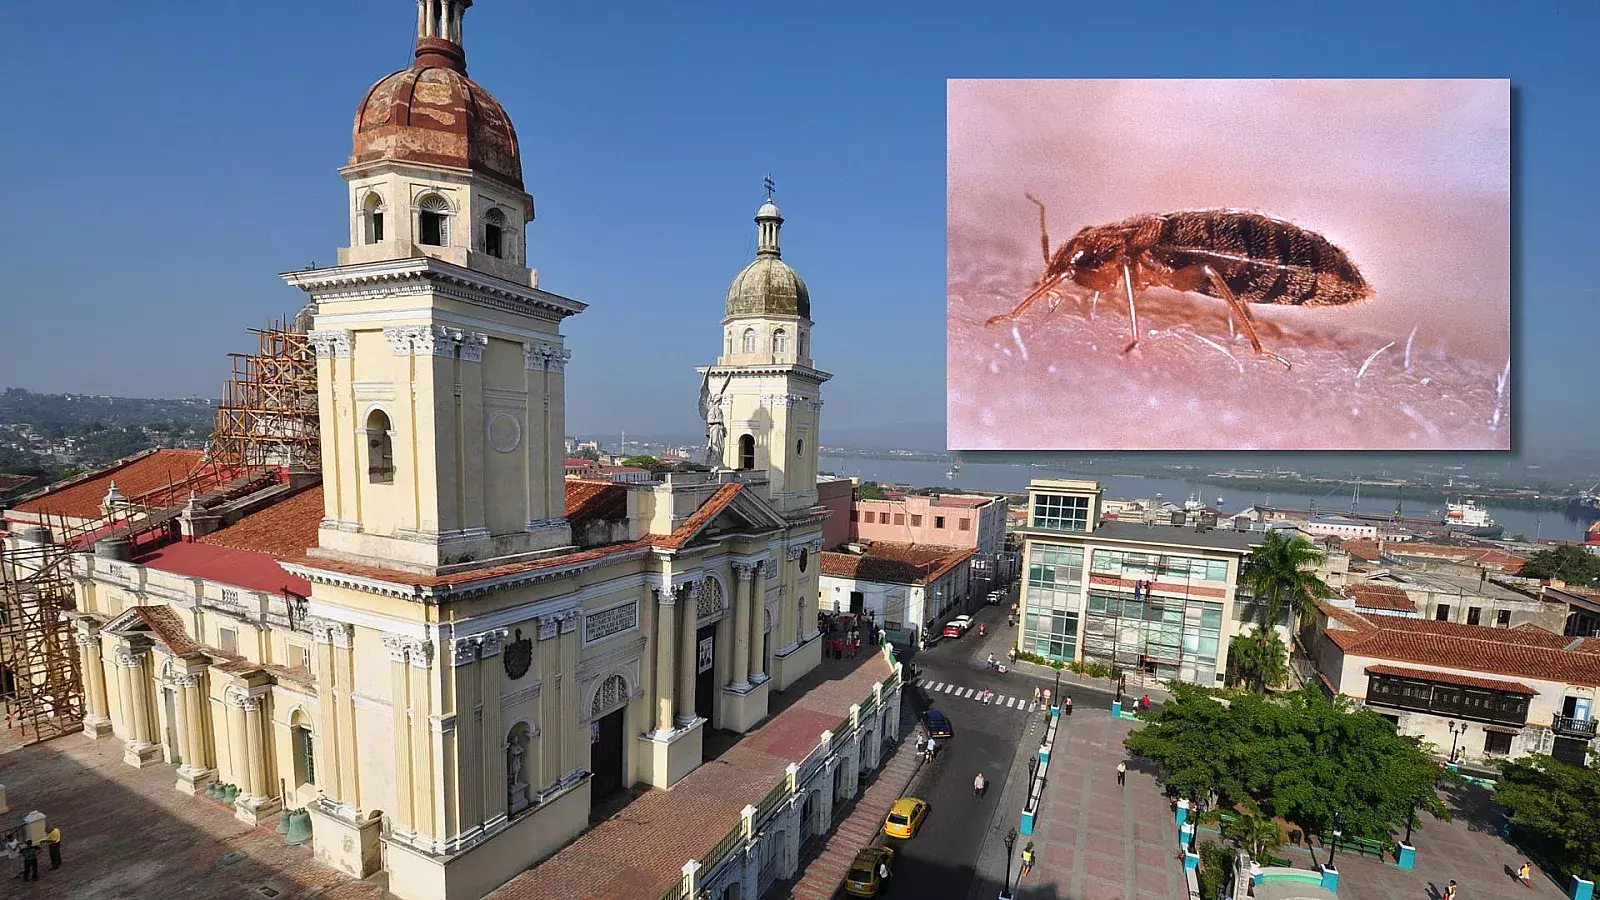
x=168 y=159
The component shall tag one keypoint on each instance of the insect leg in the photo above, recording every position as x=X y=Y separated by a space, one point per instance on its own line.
x=1133 y=312
x=1044 y=232
x=1043 y=289
x=1244 y=315
x=1094 y=304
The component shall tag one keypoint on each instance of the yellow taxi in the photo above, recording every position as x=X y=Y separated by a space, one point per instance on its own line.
x=905 y=817
x=869 y=872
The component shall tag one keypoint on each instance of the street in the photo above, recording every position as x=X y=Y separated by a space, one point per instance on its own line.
x=950 y=677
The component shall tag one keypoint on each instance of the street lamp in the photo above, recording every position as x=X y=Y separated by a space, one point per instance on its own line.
x=1457 y=729
x=1337 y=833
x=1011 y=845
x=1410 y=817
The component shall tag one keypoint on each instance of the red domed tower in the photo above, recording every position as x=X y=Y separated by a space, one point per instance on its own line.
x=434 y=165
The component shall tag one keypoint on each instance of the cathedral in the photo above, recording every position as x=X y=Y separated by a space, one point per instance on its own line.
x=434 y=642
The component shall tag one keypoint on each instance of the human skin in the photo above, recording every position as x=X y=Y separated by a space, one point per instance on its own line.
x=1421 y=365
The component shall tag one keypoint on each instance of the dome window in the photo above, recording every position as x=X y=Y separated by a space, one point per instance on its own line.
x=380 y=448
x=747 y=452
x=749 y=345
x=780 y=342
x=372 y=219
x=494 y=234
x=433 y=221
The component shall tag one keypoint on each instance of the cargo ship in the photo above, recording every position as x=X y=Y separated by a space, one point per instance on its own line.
x=1471 y=519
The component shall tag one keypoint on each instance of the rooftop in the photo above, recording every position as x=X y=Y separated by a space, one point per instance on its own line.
x=895 y=563
x=1525 y=651
x=136 y=476
x=1381 y=596
x=1112 y=530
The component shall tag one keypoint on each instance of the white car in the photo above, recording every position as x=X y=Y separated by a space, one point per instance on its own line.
x=958 y=626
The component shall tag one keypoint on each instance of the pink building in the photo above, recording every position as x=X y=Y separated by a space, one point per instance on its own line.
x=950 y=520
x=836 y=496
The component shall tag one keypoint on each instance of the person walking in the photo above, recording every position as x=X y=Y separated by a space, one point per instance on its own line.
x=1122 y=773
x=978 y=785
x=1027 y=862
x=1450 y=890
x=52 y=843
x=1036 y=693
x=1525 y=874
x=30 y=861
x=14 y=852
x=931 y=749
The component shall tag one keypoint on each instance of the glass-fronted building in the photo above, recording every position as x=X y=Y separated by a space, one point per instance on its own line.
x=1151 y=598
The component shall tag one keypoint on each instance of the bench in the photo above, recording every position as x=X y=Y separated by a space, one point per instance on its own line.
x=1363 y=845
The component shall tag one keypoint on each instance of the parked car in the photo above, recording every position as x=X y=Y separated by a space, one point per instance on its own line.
x=905 y=817
x=958 y=626
x=863 y=879
x=937 y=724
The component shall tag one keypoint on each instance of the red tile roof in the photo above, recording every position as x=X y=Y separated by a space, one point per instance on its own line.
x=895 y=563
x=1381 y=596
x=168 y=628
x=1522 y=652
x=249 y=569
x=12 y=482
x=81 y=499
x=1367 y=550
x=595 y=500
x=1492 y=684
x=285 y=528
x=700 y=519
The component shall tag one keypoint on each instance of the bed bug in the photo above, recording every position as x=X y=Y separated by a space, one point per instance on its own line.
x=1233 y=255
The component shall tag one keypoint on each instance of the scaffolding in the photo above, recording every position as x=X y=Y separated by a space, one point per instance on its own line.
x=266 y=423
x=41 y=688
x=268 y=414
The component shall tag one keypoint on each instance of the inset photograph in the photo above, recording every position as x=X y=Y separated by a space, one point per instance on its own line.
x=1269 y=264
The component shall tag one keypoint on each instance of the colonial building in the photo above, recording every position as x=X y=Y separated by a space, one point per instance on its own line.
x=1158 y=599
x=439 y=645
x=907 y=588
x=1475 y=692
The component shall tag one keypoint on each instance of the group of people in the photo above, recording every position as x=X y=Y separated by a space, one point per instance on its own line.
x=845 y=634
x=27 y=852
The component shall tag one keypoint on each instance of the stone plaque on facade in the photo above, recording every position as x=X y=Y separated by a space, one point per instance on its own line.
x=603 y=624
x=707 y=654
x=518 y=656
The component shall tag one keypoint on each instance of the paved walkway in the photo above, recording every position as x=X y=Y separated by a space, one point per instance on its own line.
x=640 y=851
x=127 y=835
x=824 y=866
x=1468 y=848
x=1094 y=840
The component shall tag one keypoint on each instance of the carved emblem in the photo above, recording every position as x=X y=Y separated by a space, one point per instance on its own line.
x=518 y=656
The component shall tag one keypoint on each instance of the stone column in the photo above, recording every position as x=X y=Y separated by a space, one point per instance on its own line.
x=491 y=672
x=195 y=772
x=741 y=627
x=758 y=623
x=467 y=773
x=688 y=659
x=97 y=710
x=400 y=706
x=257 y=760
x=349 y=743
x=665 y=636
x=419 y=659
x=238 y=744
x=141 y=749
x=327 y=738
x=180 y=725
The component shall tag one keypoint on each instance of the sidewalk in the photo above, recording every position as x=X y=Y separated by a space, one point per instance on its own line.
x=1094 y=840
x=824 y=865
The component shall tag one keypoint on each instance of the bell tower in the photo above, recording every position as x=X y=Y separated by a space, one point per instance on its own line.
x=769 y=390
x=441 y=365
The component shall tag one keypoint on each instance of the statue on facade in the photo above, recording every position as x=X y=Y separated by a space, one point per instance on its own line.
x=515 y=786
x=711 y=414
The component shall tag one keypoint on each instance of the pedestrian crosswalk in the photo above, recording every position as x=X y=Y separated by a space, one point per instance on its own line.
x=980 y=695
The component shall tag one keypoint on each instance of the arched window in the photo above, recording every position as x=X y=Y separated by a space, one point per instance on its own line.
x=780 y=342
x=749 y=340
x=433 y=221
x=747 y=452
x=800 y=447
x=372 y=219
x=802 y=345
x=493 y=233
x=380 y=448
x=305 y=765
x=727 y=344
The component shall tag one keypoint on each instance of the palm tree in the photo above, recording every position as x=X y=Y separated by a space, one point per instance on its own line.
x=1256 y=834
x=1259 y=658
x=1282 y=573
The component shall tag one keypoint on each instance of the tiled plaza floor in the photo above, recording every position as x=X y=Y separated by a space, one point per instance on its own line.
x=1468 y=849
x=1094 y=840
x=127 y=835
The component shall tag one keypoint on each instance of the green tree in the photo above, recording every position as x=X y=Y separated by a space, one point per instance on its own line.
x=1256 y=834
x=1281 y=572
x=871 y=490
x=1567 y=563
x=1259 y=659
x=1556 y=803
x=643 y=462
